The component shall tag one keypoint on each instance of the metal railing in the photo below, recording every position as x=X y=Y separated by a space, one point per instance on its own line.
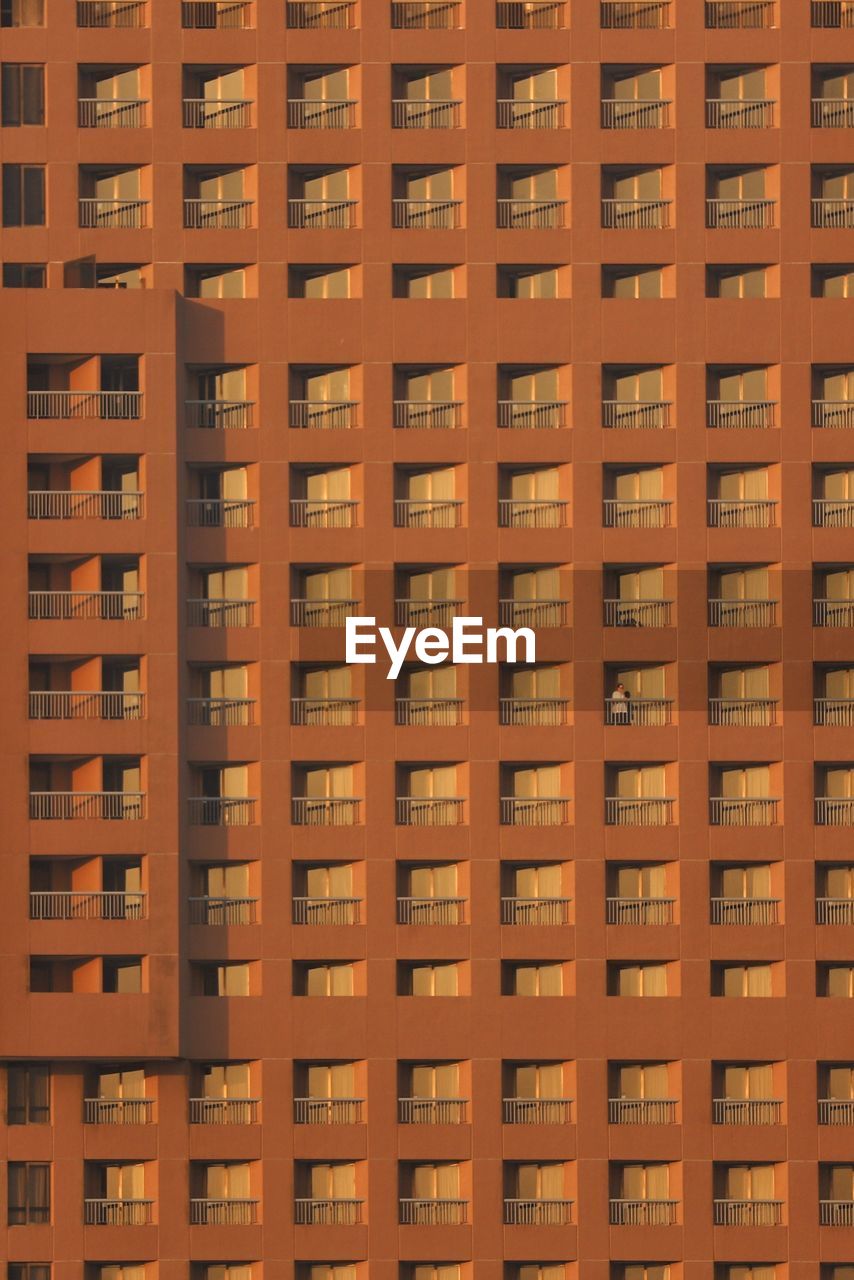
x=740 y=413
x=532 y=415
x=80 y=504
x=832 y=113
x=221 y=811
x=833 y=613
x=635 y=113
x=636 y=415
x=425 y=113
x=832 y=13
x=740 y=214
x=329 y=15
x=429 y=811
x=742 y=613
x=220 y=713
x=219 y=415
x=79 y=704
x=321 y=215
x=321 y=613
x=428 y=414
x=532 y=15
x=750 y=1111
x=328 y=1110
x=537 y=1213
x=642 y=911
x=118 y=1110
x=84 y=404
x=111 y=13
x=531 y=513
x=833 y=513
x=327 y=911
x=836 y=213
x=86 y=905
x=641 y=1110
x=836 y=1213
x=222 y=215
x=222 y=911
x=433 y=15
x=638 y=513
x=836 y=1111
x=833 y=413
x=534 y=811
x=744 y=713
x=640 y=811
x=323 y=513
x=428 y=712
x=112 y=113
x=724 y=15
x=530 y=113
x=532 y=613
x=219 y=613
x=409 y=612
x=635 y=215
x=531 y=214
x=220 y=513
x=749 y=811
x=422 y=513
x=326 y=811
x=321 y=113
x=324 y=415
x=745 y=911
x=535 y=911
x=838 y=712
x=646 y=15
x=327 y=1213
x=124 y=214
x=834 y=811
x=740 y=113
x=75 y=606
x=425 y=215
x=223 y=1110
x=533 y=712
x=748 y=1213
x=217 y=113
x=536 y=1110
x=431 y=911
x=648 y=713
x=431 y=1110
x=210 y=15
x=113 y=806
x=117 y=1213
x=741 y=513
x=638 y=613
x=223 y=1213
x=834 y=911
x=642 y=1213
x=433 y=1212
x=325 y=713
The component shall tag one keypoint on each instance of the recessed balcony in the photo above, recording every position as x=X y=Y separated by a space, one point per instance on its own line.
x=530 y=214
x=833 y=213
x=219 y=415
x=745 y=911
x=644 y=1111
x=834 y=911
x=832 y=14
x=223 y=1213
x=639 y=911
x=740 y=113
x=742 y=613
x=433 y=1212
x=426 y=215
x=95 y=212
x=117 y=1213
x=742 y=513
x=532 y=613
x=79 y=704
x=222 y=911
x=428 y=712
x=537 y=1213
x=221 y=811
x=425 y=113
x=428 y=414
x=215 y=15
x=321 y=613
x=62 y=405
x=217 y=113
x=326 y=811
x=86 y=606
x=327 y=1213
x=833 y=513
x=743 y=713
x=833 y=613
x=112 y=113
x=642 y=1213
x=328 y=1111
x=325 y=713
x=219 y=613
x=429 y=811
x=327 y=911
x=638 y=613
x=832 y=811
x=749 y=1213
x=636 y=513
x=118 y=1111
x=529 y=113
x=80 y=504
x=747 y=1111
x=425 y=15
x=833 y=113
x=638 y=811
x=111 y=13
x=635 y=215
x=536 y=1110
x=220 y=513
x=321 y=113
x=320 y=15
x=220 y=713
x=739 y=214
x=836 y=1111
x=411 y=612
x=635 y=113
x=223 y=1110
x=321 y=214
x=533 y=712
x=431 y=1111
x=431 y=911
x=636 y=415
x=424 y=513
x=326 y=415
x=532 y=513
x=648 y=713
x=323 y=513
x=533 y=15
x=218 y=215
x=532 y=415
x=836 y=1213
x=535 y=911
x=751 y=811
x=634 y=15
x=732 y=15
x=45 y=905
x=833 y=413
x=740 y=413
x=534 y=811
x=68 y=806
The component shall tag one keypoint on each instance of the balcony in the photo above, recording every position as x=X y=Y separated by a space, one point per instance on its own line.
x=321 y=613
x=429 y=811
x=327 y=1213
x=86 y=606
x=649 y=713
x=219 y=215
x=219 y=613
x=210 y=15
x=834 y=911
x=420 y=513
x=222 y=911
x=223 y=1110
x=220 y=713
x=79 y=704
x=111 y=13
x=642 y=1213
x=634 y=15
x=833 y=513
x=834 y=812
x=638 y=613
x=837 y=712
x=534 y=15
x=622 y=811
x=220 y=513
x=740 y=113
x=325 y=713
x=529 y=113
x=635 y=215
x=428 y=414
x=533 y=712
x=639 y=911
x=531 y=513
x=742 y=613
x=80 y=504
x=428 y=712
x=741 y=513
x=125 y=215
x=536 y=1110
x=321 y=113
x=112 y=113
x=532 y=613
x=431 y=911
x=535 y=911
x=754 y=811
x=743 y=713
x=425 y=113
x=223 y=1213
x=50 y=905
x=426 y=215
x=836 y=1213
x=728 y=15
x=62 y=405
x=219 y=415
x=118 y=1110
x=748 y=1213
x=833 y=214
x=431 y=1110
x=425 y=15
x=833 y=413
x=642 y=1111
x=740 y=215
x=537 y=1213
x=749 y=1111
x=221 y=811
x=745 y=911
x=323 y=415
x=117 y=1213
x=66 y=806
x=321 y=215
x=325 y=811
x=832 y=13
x=635 y=113
x=833 y=613
x=433 y=1213
x=217 y=113
x=327 y=911
x=836 y=1111
x=640 y=513
x=534 y=811
x=532 y=415
x=320 y=15
x=328 y=1110
x=832 y=113
x=636 y=415
x=409 y=612
x=530 y=215
x=323 y=513
x=740 y=413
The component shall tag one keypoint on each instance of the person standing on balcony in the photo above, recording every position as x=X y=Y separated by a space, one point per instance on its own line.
x=619 y=705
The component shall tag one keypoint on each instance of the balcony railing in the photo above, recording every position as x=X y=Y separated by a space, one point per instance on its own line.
x=428 y=414
x=640 y=811
x=537 y=1213
x=410 y=612
x=112 y=113
x=533 y=712
x=636 y=415
x=740 y=214
x=645 y=15
x=431 y=911
x=535 y=911
x=111 y=13
x=321 y=215
x=836 y=1213
x=833 y=513
x=429 y=811
x=536 y=1110
x=221 y=811
x=642 y=1111
x=635 y=215
x=741 y=513
x=836 y=1111
x=325 y=713
x=222 y=911
x=118 y=1110
x=531 y=513
x=219 y=415
x=533 y=15
x=529 y=113
x=748 y=1213
x=326 y=811
x=745 y=911
x=223 y=1110
x=321 y=613
x=220 y=513
x=420 y=513
x=750 y=1111
x=426 y=215
x=431 y=1110
x=219 y=613
x=428 y=712
x=221 y=215
x=324 y=415
x=742 y=613
x=834 y=811
x=327 y=1213
x=532 y=415
x=220 y=713
x=635 y=113
x=327 y=911
x=727 y=15
x=833 y=413
x=740 y=413
x=832 y=13
x=740 y=113
x=743 y=713
x=649 y=713
x=81 y=504
x=834 y=911
x=637 y=613
x=79 y=704
x=425 y=113
x=433 y=1213
x=79 y=905
x=833 y=113
x=642 y=911
x=209 y=15
x=534 y=811
x=638 y=513
x=329 y=15
x=751 y=811
x=838 y=712
x=532 y=613
x=833 y=613
x=321 y=113
x=223 y=1213
x=76 y=606
x=328 y=1110
x=117 y=1213
x=217 y=113
x=65 y=806
x=84 y=404
x=323 y=513
x=124 y=214
x=642 y=1213
x=835 y=213
x=425 y=15
x=532 y=214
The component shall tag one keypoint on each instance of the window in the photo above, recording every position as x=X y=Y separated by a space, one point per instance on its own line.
x=632 y=282
x=424 y=281
x=532 y=978
x=216 y=282
x=430 y=1271
x=643 y=1181
x=118 y=1271
x=538 y=1181
x=748 y=1182
x=28 y=1271
x=122 y=974
x=326 y=1270
x=748 y=1081
x=745 y=1271
x=429 y=1080
x=536 y=281
x=224 y=1080
x=22 y=91
x=29 y=1193
x=23 y=195
x=121 y=1083
x=319 y=282
x=833 y=281
x=637 y=979
x=640 y=1271
x=836 y=980
x=28 y=1094
x=434 y=1181
x=24 y=275
x=231 y=979
x=537 y=1270
x=738 y=980
x=22 y=13
x=326 y=978
x=537 y=1080
x=640 y=1081
x=430 y=978
x=736 y=282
